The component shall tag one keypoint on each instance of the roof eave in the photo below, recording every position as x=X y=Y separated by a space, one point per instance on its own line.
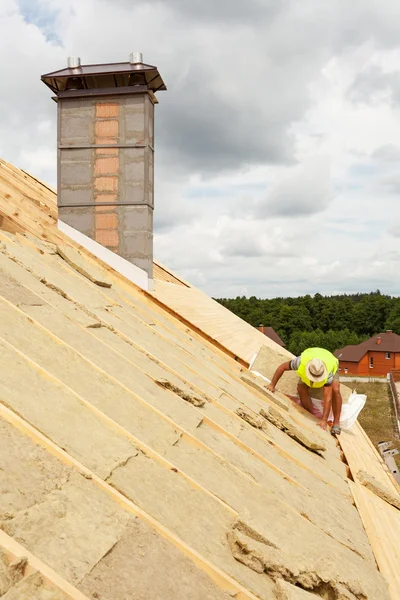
x=67 y=72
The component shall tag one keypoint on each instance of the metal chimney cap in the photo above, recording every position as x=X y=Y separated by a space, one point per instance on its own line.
x=74 y=62
x=135 y=58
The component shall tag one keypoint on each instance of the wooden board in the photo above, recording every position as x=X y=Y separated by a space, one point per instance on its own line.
x=361 y=456
x=382 y=523
x=161 y=274
x=213 y=320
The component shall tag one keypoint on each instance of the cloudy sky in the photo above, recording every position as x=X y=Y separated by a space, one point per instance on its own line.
x=277 y=142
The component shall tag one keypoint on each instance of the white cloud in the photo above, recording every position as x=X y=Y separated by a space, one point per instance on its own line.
x=394 y=229
x=276 y=142
x=387 y=153
x=305 y=190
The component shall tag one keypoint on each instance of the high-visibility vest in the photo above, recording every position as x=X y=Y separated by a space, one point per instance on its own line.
x=330 y=361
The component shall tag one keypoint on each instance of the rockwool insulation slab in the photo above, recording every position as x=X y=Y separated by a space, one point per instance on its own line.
x=186 y=481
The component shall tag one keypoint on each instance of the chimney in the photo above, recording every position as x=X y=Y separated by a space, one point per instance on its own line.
x=378 y=340
x=105 y=153
x=261 y=328
x=389 y=330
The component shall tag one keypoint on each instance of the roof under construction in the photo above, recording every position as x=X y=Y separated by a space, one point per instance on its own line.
x=140 y=456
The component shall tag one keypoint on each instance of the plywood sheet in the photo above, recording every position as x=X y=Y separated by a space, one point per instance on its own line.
x=382 y=523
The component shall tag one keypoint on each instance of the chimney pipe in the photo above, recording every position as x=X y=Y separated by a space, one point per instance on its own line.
x=74 y=62
x=136 y=58
x=378 y=341
x=106 y=153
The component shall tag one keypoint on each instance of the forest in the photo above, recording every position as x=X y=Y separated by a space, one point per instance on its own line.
x=329 y=322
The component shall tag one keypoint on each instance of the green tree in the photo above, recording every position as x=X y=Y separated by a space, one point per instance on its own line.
x=290 y=319
x=371 y=313
x=343 y=319
x=393 y=320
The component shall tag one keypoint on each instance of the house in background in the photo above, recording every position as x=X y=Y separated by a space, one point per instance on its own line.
x=271 y=333
x=374 y=357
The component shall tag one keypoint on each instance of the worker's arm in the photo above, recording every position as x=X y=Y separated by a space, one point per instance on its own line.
x=278 y=374
x=327 y=406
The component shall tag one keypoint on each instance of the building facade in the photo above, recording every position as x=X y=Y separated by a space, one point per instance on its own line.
x=375 y=357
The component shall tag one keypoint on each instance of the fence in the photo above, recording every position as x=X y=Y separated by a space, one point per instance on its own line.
x=394 y=377
x=360 y=379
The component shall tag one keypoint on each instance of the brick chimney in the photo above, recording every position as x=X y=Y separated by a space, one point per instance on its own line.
x=105 y=153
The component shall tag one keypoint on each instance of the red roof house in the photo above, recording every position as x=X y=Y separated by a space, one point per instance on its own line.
x=374 y=357
x=271 y=333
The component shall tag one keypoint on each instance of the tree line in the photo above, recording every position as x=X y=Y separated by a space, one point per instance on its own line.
x=329 y=322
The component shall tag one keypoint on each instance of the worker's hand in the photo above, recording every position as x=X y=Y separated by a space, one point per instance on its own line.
x=323 y=424
x=270 y=387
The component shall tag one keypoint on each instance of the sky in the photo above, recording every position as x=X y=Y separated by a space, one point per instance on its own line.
x=277 y=141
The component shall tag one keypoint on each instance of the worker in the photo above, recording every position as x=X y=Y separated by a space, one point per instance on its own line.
x=316 y=368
